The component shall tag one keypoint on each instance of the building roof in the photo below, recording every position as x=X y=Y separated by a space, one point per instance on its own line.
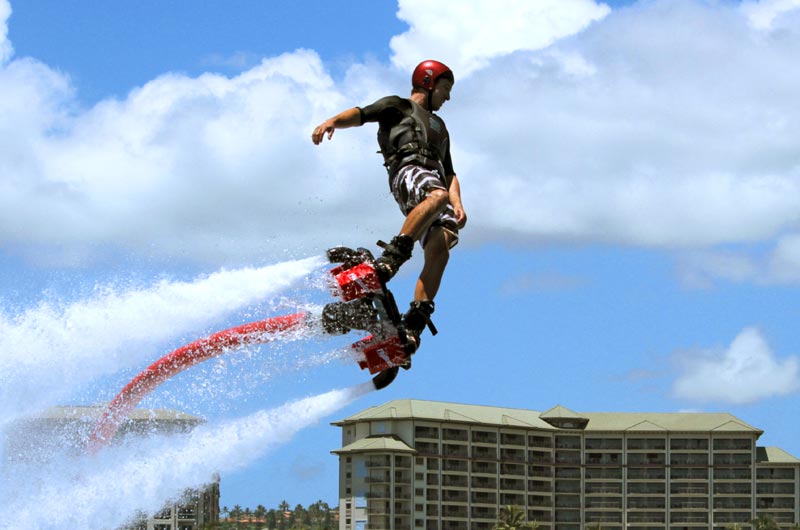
x=597 y=421
x=92 y=413
x=381 y=443
x=774 y=455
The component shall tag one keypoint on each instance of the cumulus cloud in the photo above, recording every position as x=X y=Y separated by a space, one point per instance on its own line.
x=779 y=265
x=747 y=371
x=666 y=123
x=763 y=14
x=467 y=35
x=675 y=131
x=5 y=45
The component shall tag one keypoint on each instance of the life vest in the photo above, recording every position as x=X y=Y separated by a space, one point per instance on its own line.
x=420 y=138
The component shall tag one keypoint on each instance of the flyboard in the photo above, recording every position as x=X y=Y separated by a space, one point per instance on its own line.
x=366 y=305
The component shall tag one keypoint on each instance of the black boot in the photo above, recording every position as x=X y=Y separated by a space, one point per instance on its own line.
x=395 y=253
x=416 y=318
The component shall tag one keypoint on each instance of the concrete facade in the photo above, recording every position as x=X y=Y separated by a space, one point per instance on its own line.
x=412 y=464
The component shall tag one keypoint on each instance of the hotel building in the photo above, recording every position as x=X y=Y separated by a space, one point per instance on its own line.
x=412 y=464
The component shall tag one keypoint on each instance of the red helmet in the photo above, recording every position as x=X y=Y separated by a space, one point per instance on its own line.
x=427 y=72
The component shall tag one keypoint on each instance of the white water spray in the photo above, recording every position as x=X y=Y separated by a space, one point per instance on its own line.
x=48 y=352
x=106 y=491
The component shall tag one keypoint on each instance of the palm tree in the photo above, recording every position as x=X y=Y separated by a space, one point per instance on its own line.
x=513 y=518
x=764 y=522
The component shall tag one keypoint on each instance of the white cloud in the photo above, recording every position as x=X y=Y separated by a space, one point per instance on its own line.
x=779 y=265
x=667 y=123
x=675 y=133
x=701 y=269
x=747 y=371
x=763 y=14
x=467 y=35
x=5 y=45
x=784 y=264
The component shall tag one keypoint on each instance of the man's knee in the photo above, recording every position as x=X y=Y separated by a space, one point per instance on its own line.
x=440 y=198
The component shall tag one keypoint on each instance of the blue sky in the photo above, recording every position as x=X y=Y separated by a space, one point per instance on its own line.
x=630 y=171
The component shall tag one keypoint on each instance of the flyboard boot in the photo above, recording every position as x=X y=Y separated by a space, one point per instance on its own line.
x=395 y=253
x=416 y=319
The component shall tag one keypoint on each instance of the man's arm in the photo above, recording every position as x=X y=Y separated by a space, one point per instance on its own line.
x=455 y=200
x=343 y=120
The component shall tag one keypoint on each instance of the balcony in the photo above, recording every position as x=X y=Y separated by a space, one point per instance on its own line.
x=460 y=466
x=733 y=474
x=540 y=457
x=512 y=484
x=688 y=488
x=459 y=435
x=733 y=459
x=603 y=517
x=595 y=503
x=486 y=453
x=512 y=499
x=647 y=473
x=512 y=455
x=732 y=488
x=489 y=468
x=484 y=437
x=732 y=517
x=775 y=488
x=733 y=444
x=688 y=503
x=458 y=481
x=688 y=517
x=689 y=459
x=517 y=470
x=604 y=444
x=775 y=503
x=484 y=483
x=540 y=501
x=689 y=444
x=540 y=486
x=603 y=488
x=646 y=459
x=646 y=503
x=647 y=444
x=684 y=473
x=775 y=473
x=725 y=503
x=568 y=458
x=455 y=496
x=568 y=442
x=604 y=473
x=604 y=459
x=378 y=461
x=378 y=478
x=540 y=441
x=647 y=488
x=457 y=451
x=646 y=517
x=484 y=497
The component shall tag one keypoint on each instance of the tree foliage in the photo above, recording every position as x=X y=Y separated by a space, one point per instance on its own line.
x=318 y=516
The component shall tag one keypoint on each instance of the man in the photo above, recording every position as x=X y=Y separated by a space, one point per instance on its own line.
x=416 y=149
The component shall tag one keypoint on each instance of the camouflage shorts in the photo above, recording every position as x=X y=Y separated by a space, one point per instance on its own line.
x=411 y=185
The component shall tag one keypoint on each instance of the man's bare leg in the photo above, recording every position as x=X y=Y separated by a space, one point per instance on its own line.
x=437 y=254
x=421 y=217
x=398 y=250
